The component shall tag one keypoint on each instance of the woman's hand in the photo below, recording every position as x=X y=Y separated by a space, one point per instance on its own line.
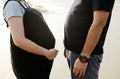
x=51 y=54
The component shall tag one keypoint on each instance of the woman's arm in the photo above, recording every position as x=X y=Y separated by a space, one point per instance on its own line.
x=19 y=39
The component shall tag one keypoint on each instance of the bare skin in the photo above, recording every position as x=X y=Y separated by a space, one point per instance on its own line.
x=17 y=31
x=99 y=21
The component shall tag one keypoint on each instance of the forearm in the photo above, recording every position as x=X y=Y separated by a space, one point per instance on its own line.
x=19 y=38
x=91 y=40
x=31 y=47
x=94 y=33
x=18 y=35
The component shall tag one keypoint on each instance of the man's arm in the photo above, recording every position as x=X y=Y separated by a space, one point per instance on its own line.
x=99 y=21
x=94 y=33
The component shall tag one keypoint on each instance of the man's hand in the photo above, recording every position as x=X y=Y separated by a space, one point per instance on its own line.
x=79 y=68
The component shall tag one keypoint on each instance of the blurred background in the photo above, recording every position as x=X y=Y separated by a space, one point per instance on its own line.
x=55 y=13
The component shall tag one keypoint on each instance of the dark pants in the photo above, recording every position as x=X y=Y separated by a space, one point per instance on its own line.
x=92 y=69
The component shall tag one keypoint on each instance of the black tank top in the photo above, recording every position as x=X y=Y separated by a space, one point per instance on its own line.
x=36 y=29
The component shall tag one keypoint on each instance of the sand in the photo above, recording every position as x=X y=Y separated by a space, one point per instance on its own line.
x=111 y=60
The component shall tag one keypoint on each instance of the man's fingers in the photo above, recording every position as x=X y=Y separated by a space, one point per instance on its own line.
x=84 y=72
x=76 y=71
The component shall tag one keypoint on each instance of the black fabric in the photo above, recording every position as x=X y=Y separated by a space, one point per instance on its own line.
x=79 y=21
x=25 y=64
x=106 y=5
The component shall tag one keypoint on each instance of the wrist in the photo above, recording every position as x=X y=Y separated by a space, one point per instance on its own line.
x=83 y=59
x=86 y=55
x=45 y=53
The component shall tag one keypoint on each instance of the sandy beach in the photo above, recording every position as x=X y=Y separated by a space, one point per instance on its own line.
x=55 y=17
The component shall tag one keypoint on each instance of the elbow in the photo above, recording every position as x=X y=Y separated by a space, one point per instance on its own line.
x=99 y=25
x=100 y=18
x=18 y=42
